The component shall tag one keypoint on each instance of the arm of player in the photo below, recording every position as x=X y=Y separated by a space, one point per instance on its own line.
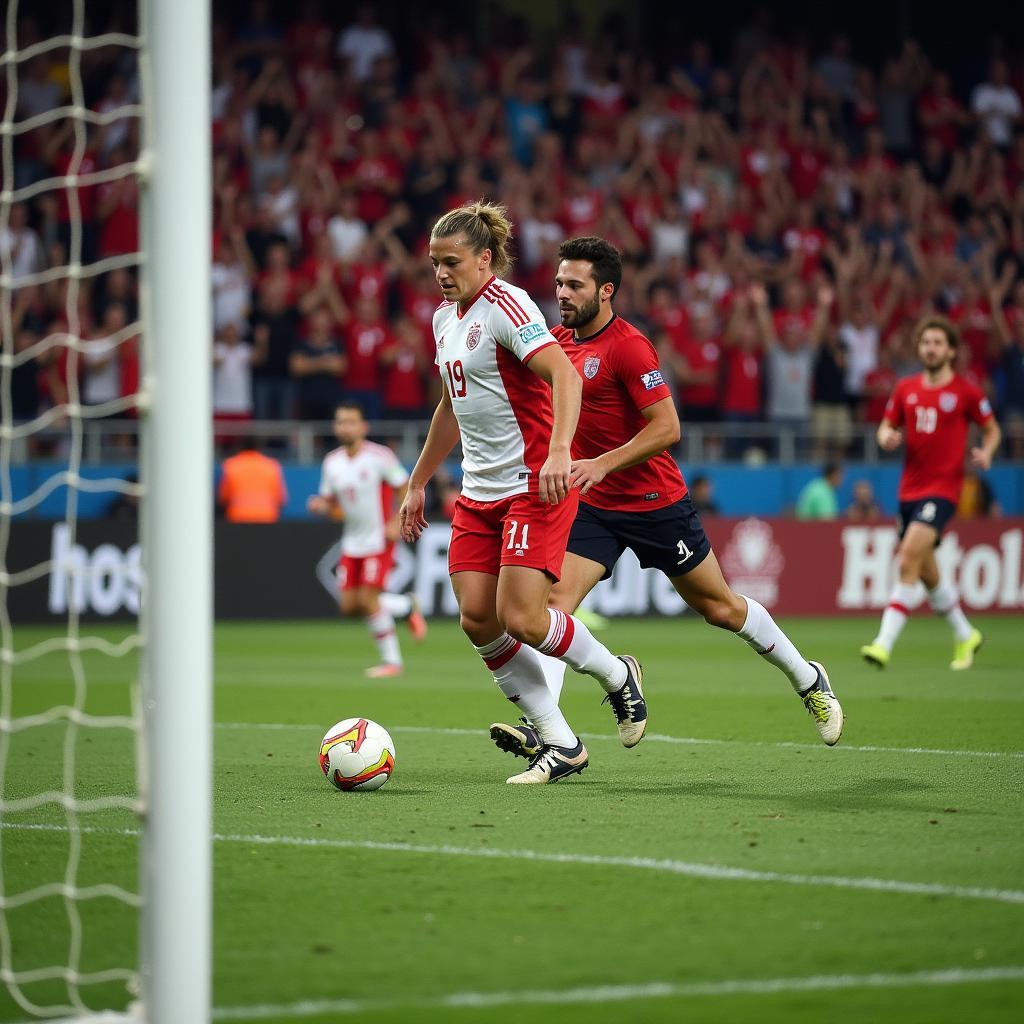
x=991 y=438
x=552 y=364
x=393 y=527
x=889 y=437
x=763 y=315
x=441 y=439
x=319 y=505
x=660 y=432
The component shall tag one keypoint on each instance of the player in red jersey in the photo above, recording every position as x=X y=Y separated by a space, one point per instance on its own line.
x=932 y=413
x=512 y=397
x=632 y=494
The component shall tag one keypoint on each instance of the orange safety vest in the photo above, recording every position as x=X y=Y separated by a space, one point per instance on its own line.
x=252 y=488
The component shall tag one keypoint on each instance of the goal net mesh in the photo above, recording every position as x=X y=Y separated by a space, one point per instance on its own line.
x=70 y=725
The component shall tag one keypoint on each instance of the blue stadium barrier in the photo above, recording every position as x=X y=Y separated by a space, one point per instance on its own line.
x=768 y=490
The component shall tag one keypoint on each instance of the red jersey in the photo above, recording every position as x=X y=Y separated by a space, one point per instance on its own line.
x=363 y=346
x=878 y=385
x=404 y=383
x=975 y=323
x=742 y=391
x=805 y=169
x=702 y=357
x=621 y=377
x=935 y=422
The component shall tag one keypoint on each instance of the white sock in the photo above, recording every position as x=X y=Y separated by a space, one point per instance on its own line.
x=946 y=601
x=382 y=627
x=399 y=605
x=895 y=614
x=554 y=675
x=763 y=635
x=519 y=674
x=570 y=641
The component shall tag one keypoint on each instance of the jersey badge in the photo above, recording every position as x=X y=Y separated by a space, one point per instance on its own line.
x=440 y=343
x=473 y=337
x=912 y=398
x=590 y=366
x=531 y=331
x=947 y=401
x=651 y=380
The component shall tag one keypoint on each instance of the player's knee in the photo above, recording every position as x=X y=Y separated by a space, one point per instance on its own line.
x=525 y=626
x=720 y=613
x=726 y=610
x=476 y=625
x=909 y=564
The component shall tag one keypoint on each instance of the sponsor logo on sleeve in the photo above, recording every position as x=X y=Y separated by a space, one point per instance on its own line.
x=985 y=407
x=652 y=380
x=530 y=332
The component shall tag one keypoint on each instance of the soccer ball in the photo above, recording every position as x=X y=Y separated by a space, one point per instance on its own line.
x=357 y=754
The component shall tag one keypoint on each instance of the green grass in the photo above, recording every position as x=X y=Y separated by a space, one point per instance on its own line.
x=404 y=929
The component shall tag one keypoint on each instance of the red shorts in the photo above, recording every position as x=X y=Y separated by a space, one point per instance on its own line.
x=521 y=530
x=367 y=571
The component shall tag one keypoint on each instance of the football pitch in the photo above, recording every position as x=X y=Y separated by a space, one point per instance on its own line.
x=729 y=868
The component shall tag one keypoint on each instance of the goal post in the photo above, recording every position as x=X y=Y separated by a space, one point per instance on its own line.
x=176 y=472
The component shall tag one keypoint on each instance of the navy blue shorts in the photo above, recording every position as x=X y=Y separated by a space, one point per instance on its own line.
x=933 y=512
x=670 y=539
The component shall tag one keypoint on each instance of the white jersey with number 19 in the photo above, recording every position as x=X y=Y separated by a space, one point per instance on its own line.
x=503 y=408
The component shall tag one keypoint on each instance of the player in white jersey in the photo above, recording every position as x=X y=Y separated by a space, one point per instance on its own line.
x=513 y=398
x=358 y=484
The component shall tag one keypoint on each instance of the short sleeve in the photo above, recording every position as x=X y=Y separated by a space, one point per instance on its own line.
x=979 y=409
x=394 y=473
x=894 y=408
x=435 y=329
x=518 y=325
x=636 y=366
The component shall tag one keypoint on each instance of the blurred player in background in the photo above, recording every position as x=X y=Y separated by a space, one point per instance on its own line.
x=513 y=398
x=632 y=494
x=359 y=482
x=931 y=412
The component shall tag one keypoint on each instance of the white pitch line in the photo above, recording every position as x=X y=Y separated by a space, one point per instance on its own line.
x=608 y=994
x=717 y=872
x=654 y=737
x=630 y=993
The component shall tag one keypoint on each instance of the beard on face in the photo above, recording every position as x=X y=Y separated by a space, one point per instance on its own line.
x=579 y=317
x=936 y=361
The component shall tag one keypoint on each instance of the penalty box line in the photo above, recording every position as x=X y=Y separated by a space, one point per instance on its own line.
x=716 y=872
x=688 y=741
x=630 y=993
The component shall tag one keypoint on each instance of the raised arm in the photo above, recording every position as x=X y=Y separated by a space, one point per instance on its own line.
x=763 y=315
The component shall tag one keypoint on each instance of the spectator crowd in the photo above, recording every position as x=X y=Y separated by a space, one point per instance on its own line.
x=786 y=212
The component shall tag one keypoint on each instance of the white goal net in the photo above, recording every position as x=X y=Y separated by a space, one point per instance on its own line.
x=93 y=419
